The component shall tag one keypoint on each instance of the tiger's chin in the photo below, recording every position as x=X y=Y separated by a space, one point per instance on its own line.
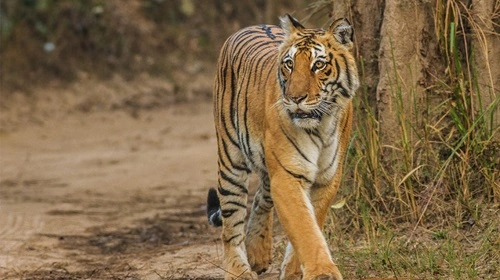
x=304 y=119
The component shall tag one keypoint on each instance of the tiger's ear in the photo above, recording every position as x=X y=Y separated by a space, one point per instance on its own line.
x=343 y=32
x=290 y=25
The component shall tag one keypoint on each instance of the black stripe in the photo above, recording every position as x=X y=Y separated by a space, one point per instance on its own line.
x=295 y=175
x=343 y=91
x=233 y=182
x=238 y=223
x=268 y=31
x=237 y=204
x=225 y=192
x=331 y=163
x=244 y=137
x=240 y=46
x=314 y=132
x=265 y=207
x=233 y=101
x=338 y=147
x=252 y=64
x=248 y=148
x=233 y=165
x=348 y=72
x=332 y=135
x=251 y=52
x=228 y=212
x=268 y=198
x=221 y=95
x=232 y=237
x=261 y=64
x=318 y=146
x=337 y=67
x=223 y=123
x=294 y=144
x=222 y=162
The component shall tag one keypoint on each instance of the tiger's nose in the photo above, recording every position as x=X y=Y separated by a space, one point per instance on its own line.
x=299 y=98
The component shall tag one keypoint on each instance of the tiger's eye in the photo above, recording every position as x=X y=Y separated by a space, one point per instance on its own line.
x=319 y=64
x=289 y=63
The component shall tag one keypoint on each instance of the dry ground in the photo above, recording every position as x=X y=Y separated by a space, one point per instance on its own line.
x=108 y=180
x=106 y=194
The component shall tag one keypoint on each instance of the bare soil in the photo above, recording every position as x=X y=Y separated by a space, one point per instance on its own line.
x=107 y=194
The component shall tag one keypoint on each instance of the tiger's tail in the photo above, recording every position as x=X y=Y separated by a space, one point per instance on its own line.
x=213 y=208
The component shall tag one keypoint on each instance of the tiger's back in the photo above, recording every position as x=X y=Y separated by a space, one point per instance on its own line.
x=246 y=71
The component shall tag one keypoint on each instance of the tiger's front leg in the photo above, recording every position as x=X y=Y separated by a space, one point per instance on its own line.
x=289 y=190
x=321 y=197
x=233 y=198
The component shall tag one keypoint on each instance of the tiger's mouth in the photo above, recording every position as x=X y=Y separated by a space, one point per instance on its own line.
x=299 y=114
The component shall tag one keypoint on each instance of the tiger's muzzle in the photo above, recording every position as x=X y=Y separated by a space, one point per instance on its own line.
x=299 y=114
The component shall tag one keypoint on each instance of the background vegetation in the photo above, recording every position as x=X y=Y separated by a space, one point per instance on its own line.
x=60 y=39
x=421 y=190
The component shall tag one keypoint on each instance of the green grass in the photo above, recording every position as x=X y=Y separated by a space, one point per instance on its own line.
x=432 y=252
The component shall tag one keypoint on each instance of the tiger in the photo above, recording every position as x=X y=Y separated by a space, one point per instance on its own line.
x=282 y=100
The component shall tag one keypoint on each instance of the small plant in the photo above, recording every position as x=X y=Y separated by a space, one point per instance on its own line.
x=440 y=234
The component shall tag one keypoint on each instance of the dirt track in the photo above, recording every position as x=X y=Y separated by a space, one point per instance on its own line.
x=110 y=196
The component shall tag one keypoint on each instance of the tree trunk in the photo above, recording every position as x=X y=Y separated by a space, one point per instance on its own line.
x=487 y=50
x=399 y=47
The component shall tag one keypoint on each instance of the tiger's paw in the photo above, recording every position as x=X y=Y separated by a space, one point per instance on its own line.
x=326 y=273
x=260 y=254
x=236 y=265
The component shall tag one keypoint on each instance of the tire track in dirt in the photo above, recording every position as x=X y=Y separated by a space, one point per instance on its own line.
x=15 y=229
x=108 y=195
x=18 y=225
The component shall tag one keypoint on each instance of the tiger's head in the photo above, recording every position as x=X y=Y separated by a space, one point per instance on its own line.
x=317 y=71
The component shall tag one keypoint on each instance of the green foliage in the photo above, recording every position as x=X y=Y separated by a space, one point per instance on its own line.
x=60 y=39
x=50 y=38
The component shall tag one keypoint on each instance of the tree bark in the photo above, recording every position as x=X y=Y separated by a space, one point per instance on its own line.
x=397 y=43
x=487 y=51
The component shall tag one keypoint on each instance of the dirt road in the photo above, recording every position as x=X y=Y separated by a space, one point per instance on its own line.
x=110 y=195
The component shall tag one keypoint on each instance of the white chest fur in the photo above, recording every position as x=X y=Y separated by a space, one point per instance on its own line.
x=316 y=152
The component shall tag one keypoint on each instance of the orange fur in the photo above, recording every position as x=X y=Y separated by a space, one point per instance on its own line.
x=283 y=109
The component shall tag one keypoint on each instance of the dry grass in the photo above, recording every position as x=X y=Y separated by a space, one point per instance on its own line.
x=430 y=207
